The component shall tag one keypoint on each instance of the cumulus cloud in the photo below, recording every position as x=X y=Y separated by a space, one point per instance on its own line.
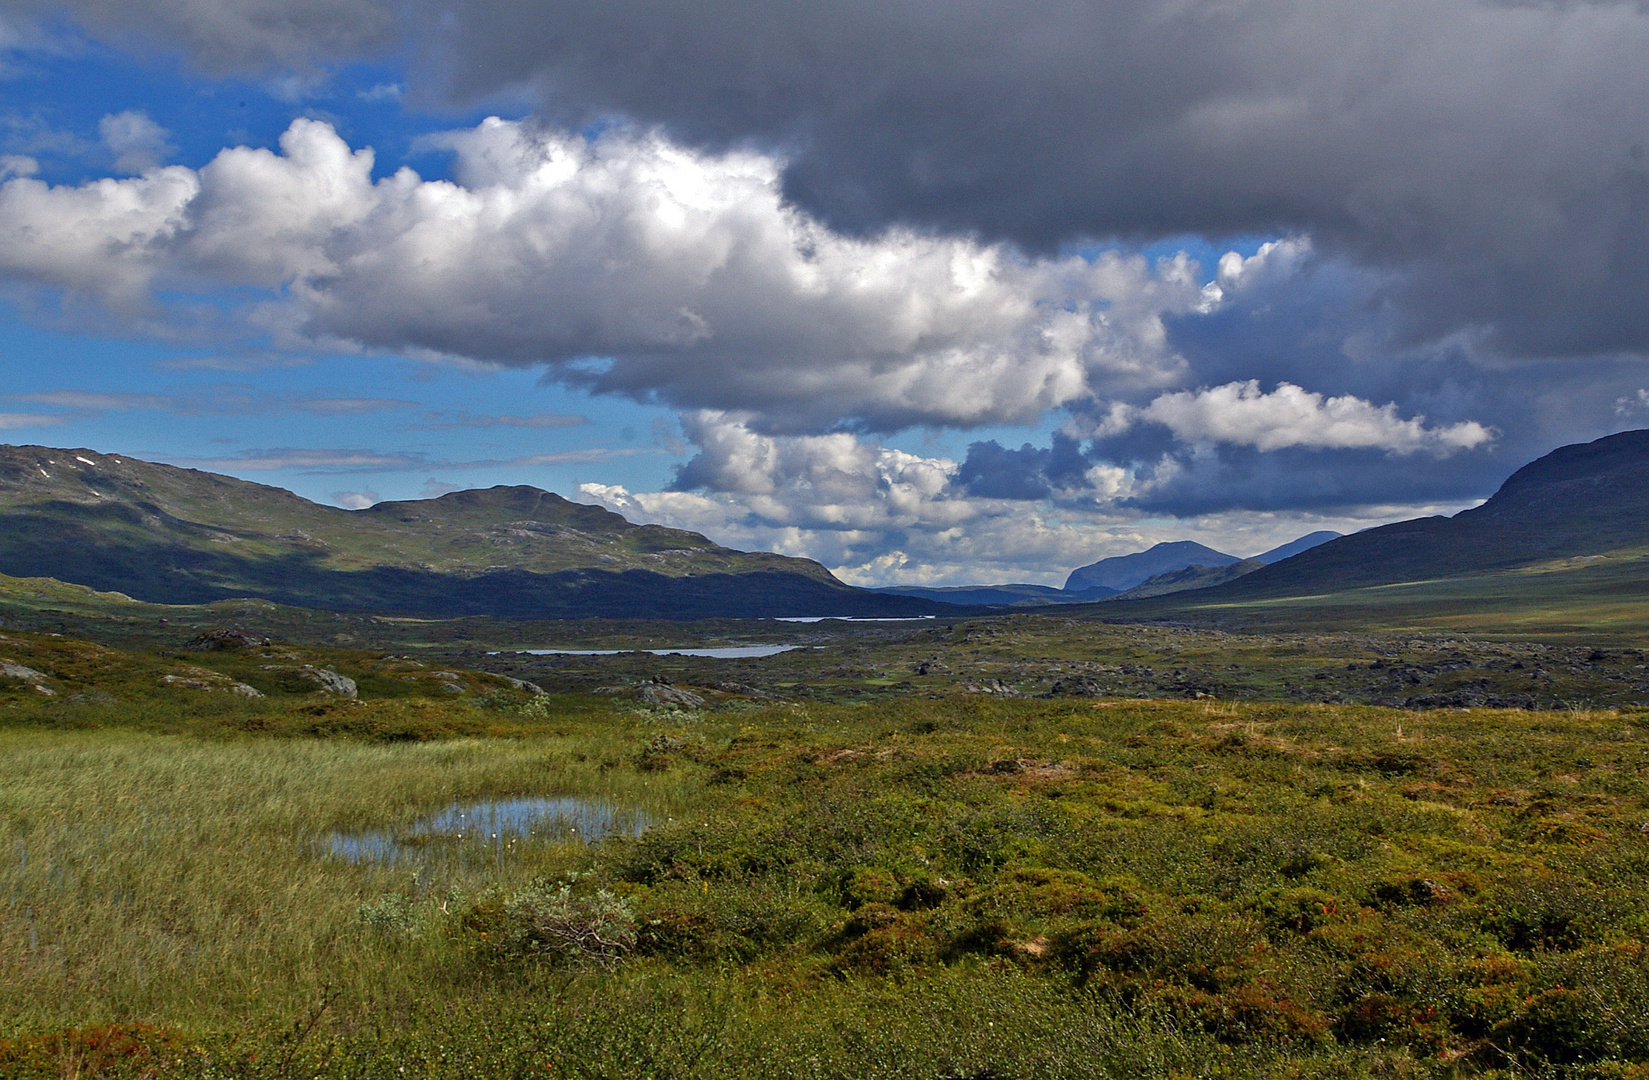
x=686 y=273
x=137 y=142
x=1244 y=415
x=1491 y=154
x=878 y=515
x=17 y=165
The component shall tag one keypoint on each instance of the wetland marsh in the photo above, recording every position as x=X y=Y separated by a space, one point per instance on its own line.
x=938 y=883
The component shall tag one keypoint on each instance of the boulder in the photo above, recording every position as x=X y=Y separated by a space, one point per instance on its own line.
x=329 y=681
x=10 y=670
x=225 y=639
x=659 y=694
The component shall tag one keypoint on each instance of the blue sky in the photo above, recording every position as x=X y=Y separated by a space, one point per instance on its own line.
x=904 y=330
x=211 y=407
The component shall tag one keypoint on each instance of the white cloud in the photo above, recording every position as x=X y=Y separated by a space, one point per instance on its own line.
x=356 y=500
x=434 y=489
x=1274 y=261
x=96 y=401
x=108 y=238
x=443 y=421
x=685 y=270
x=877 y=515
x=10 y=420
x=309 y=460
x=137 y=142
x=17 y=165
x=1240 y=413
x=1633 y=404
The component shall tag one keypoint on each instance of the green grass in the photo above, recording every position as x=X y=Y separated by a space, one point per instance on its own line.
x=942 y=887
x=182 y=881
x=1595 y=599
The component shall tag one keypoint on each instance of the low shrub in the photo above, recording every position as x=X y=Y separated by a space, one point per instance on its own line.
x=553 y=924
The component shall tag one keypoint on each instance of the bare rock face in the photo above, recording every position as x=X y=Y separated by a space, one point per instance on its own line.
x=659 y=694
x=329 y=681
x=224 y=639
x=185 y=683
x=21 y=673
x=525 y=686
x=35 y=679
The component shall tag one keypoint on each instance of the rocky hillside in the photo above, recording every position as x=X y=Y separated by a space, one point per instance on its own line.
x=171 y=535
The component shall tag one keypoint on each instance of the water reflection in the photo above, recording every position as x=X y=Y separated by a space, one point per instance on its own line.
x=467 y=835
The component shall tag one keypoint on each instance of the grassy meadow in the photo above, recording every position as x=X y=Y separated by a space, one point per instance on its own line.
x=1589 y=599
x=936 y=885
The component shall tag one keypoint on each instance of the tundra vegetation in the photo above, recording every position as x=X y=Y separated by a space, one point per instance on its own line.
x=960 y=850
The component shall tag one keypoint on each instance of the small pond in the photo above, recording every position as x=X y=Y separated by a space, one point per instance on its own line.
x=483 y=833
x=728 y=652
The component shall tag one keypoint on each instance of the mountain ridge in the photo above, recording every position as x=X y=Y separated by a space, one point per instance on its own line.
x=168 y=534
x=1578 y=500
x=1123 y=572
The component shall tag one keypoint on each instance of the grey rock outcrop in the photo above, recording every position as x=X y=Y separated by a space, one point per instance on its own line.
x=659 y=694
x=330 y=681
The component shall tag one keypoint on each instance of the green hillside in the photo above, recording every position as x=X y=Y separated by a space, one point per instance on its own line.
x=180 y=536
x=1559 y=553
x=1585 y=499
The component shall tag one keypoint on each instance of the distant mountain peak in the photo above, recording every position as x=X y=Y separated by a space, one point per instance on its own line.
x=1123 y=572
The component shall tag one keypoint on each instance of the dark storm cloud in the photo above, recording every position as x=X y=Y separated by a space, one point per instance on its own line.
x=991 y=471
x=1473 y=178
x=1494 y=153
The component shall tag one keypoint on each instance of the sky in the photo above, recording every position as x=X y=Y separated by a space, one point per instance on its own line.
x=934 y=293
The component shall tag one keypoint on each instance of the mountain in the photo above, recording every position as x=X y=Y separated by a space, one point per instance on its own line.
x=1190 y=577
x=1294 y=547
x=168 y=535
x=1125 y=571
x=1581 y=500
x=996 y=595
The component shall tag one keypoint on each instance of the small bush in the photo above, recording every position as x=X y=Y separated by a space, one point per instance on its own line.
x=550 y=923
x=390 y=915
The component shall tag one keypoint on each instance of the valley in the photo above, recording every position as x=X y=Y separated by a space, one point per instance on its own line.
x=1384 y=829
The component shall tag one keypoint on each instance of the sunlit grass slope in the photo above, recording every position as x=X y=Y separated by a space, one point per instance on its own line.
x=1594 y=598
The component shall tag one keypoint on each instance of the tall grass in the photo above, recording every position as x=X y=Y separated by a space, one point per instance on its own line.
x=174 y=879
x=936 y=888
